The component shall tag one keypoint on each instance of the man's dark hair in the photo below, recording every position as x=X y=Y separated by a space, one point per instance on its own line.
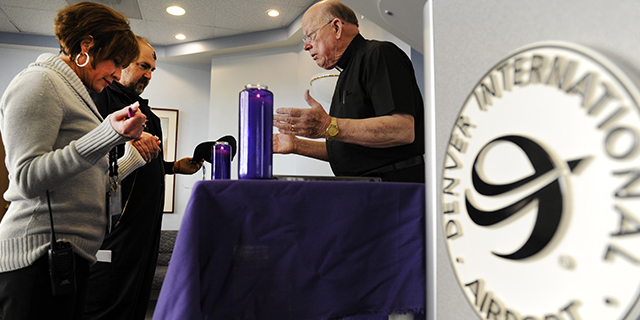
x=145 y=40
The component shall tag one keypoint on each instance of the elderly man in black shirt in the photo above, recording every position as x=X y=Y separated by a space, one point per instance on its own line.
x=375 y=126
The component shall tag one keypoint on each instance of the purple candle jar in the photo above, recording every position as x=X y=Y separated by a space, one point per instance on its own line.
x=256 y=133
x=221 y=161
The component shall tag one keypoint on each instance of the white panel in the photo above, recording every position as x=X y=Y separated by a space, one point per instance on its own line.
x=35 y=4
x=198 y=12
x=32 y=20
x=250 y=15
x=163 y=32
x=470 y=37
x=405 y=16
x=5 y=23
x=406 y=23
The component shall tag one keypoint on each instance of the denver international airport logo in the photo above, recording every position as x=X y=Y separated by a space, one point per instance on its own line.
x=541 y=188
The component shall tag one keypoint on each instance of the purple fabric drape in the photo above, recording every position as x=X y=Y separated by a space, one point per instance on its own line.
x=264 y=249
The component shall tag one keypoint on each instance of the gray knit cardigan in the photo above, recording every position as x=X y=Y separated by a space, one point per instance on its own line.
x=55 y=140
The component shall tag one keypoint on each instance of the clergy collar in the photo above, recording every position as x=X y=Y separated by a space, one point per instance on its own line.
x=351 y=50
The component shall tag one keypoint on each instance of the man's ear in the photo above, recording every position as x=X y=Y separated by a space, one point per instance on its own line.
x=338 y=27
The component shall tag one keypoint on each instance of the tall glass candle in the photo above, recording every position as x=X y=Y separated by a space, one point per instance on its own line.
x=256 y=133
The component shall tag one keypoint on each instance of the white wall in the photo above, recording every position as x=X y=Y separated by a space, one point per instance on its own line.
x=184 y=87
x=12 y=61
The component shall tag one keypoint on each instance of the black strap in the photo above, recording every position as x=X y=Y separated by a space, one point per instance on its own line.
x=54 y=242
x=113 y=162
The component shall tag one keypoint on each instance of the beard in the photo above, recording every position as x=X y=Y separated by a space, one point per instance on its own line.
x=138 y=86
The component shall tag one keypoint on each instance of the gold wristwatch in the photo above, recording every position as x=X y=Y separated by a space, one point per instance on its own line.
x=332 y=130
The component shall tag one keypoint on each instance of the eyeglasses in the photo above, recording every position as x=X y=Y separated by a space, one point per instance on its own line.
x=311 y=36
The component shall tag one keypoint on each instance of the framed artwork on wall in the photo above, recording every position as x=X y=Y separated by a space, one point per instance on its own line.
x=169 y=123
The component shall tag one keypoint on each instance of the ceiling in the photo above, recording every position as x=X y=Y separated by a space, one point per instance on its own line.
x=204 y=19
x=211 y=26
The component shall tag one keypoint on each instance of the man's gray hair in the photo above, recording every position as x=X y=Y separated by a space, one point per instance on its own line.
x=336 y=9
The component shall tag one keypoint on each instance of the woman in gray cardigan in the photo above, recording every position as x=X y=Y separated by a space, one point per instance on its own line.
x=56 y=147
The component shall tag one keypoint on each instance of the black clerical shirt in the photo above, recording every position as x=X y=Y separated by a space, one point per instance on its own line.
x=376 y=78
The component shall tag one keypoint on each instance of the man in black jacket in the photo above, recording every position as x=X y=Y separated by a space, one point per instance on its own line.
x=120 y=288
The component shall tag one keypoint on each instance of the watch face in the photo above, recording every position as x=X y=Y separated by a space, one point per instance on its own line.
x=332 y=130
x=541 y=188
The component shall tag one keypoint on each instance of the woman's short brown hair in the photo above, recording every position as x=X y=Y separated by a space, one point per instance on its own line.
x=112 y=35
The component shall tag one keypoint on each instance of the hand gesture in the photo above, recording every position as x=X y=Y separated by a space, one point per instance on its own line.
x=187 y=166
x=148 y=146
x=126 y=124
x=305 y=122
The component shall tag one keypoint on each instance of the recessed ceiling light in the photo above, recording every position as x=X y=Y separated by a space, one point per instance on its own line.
x=176 y=11
x=180 y=36
x=273 y=13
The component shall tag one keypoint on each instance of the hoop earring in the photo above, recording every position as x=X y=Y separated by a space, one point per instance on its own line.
x=85 y=63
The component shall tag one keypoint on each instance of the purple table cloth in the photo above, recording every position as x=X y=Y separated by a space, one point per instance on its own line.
x=265 y=249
